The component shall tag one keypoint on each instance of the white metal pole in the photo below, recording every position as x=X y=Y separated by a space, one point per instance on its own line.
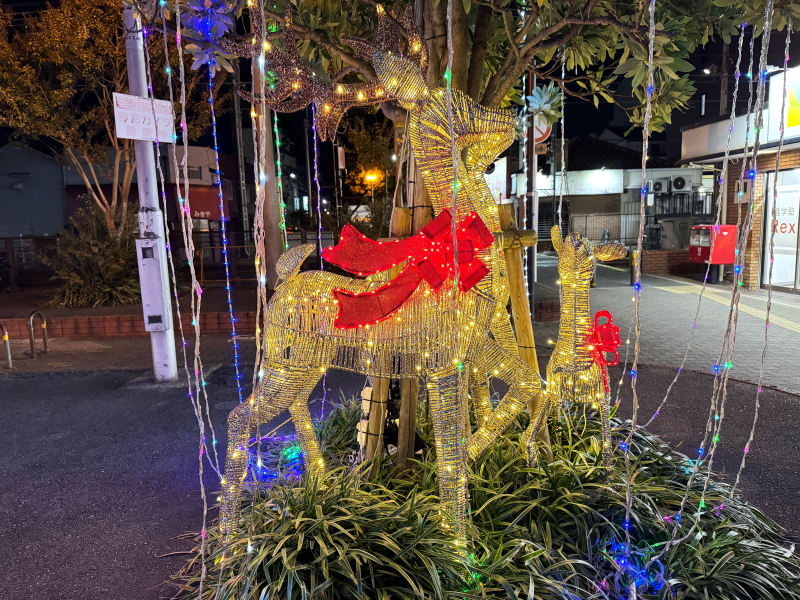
x=151 y=246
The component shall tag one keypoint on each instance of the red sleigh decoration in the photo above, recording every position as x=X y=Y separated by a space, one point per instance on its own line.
x=604 y=339
x=430 y=257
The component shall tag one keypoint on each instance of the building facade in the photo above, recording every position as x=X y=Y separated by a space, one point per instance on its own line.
x=772 y=187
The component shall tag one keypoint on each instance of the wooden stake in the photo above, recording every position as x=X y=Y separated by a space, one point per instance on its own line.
x=407 y=429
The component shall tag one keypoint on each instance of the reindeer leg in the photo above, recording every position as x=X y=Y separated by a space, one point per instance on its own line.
x=524 y=384
x=271 y=397
x=309 y=444
x=605 y=423
x=448 y=400
x=481 y=402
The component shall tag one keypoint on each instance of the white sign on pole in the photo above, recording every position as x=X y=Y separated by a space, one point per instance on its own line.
x=541 y=130
x=134 y=118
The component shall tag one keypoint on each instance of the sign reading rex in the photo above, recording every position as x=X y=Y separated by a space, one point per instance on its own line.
x=140 y=118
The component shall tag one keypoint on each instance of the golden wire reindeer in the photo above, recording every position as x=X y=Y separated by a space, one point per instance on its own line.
x=577 y=370
x=317 y=320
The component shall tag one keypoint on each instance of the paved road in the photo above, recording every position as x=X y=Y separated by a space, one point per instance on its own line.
x=99 y=475
x=99 y=472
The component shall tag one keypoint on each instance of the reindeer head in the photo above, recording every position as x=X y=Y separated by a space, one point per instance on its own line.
x=576 y=255
x=297 y=85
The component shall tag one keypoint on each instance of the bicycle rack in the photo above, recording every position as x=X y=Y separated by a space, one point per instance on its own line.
x=32 y=337
x=9 y=364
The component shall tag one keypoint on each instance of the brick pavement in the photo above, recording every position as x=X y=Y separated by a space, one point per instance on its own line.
x=668 y=306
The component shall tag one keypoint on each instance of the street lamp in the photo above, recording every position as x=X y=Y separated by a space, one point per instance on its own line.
x=371 y=178
x=292 y=175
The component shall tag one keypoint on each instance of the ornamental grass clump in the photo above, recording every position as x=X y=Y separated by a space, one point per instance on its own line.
x=95 y=266
x=552 y=531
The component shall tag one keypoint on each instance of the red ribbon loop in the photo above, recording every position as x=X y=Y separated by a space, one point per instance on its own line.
x=604 y=339
x=430 y=257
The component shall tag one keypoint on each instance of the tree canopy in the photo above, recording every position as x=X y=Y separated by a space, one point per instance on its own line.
x=600 y=43
x=58 y=73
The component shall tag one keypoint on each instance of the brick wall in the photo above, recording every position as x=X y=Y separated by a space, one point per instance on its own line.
x=547 y=311
x=671 y=262
x=593 y=204
x=127 y=325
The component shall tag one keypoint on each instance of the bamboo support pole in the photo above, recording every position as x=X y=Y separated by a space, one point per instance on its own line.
x=520 y=308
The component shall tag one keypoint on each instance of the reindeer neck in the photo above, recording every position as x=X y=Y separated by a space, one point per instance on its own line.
x=575 y=323
x=433 y=152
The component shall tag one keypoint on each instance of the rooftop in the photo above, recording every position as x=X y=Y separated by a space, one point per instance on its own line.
x=586 y=153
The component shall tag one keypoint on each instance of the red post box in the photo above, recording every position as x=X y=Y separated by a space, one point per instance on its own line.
x=724 y=242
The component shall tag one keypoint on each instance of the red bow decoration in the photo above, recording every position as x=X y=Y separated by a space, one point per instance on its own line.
x=604 y=339
x=430 y=257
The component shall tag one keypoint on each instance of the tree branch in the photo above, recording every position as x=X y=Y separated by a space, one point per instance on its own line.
x=302 y=32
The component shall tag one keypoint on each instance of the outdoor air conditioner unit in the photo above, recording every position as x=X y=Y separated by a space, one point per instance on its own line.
x=660 y=185
x=679 y=184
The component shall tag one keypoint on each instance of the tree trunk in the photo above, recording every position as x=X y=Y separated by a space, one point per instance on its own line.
x=480 y=39
x=270 y=217
x=459 y=30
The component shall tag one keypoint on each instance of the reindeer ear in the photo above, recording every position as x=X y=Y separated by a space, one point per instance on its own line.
x=555 y=234
x=610 y=251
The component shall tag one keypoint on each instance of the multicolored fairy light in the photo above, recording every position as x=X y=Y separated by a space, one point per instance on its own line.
x=717 y=220
x=279 y=177
x=416 y=341
x=224 y=233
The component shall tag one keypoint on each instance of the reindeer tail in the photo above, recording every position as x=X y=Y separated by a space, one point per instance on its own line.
x=289 y=263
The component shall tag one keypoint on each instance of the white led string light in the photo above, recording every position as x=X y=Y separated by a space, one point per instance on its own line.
x=771 y=247
x=638 y=286
x=718 y=219
x=719 y=394
x=319 y=231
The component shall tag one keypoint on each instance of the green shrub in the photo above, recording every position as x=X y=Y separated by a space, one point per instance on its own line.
x=554 y=531
x=93 y=266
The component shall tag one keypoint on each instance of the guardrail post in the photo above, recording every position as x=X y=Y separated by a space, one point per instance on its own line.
x=9 y=364
x=31 y=335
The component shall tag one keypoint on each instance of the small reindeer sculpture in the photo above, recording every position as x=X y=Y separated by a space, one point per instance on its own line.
x=577 y=371
x=419 y=324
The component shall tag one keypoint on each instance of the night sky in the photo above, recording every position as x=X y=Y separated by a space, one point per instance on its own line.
x=581 y=117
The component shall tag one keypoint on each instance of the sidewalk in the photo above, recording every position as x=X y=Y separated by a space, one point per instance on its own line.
x=123 y=353
x=668 y=306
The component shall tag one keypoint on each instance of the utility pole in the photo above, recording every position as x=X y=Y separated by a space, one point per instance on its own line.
x=151 y=252
x=265 y=158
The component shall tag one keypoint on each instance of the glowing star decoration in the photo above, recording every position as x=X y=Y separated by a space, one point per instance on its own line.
x=450 y=341
x=577 y=369
x=297 y=85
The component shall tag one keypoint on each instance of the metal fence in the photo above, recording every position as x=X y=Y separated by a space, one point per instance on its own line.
x=241 y=253
x=616 y=227
x=20 y=264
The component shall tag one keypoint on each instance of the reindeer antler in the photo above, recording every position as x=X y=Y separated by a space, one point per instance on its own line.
x=298 y=86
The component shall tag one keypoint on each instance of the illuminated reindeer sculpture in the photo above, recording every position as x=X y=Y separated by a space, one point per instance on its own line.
x=420 y=324
x=577 y=370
